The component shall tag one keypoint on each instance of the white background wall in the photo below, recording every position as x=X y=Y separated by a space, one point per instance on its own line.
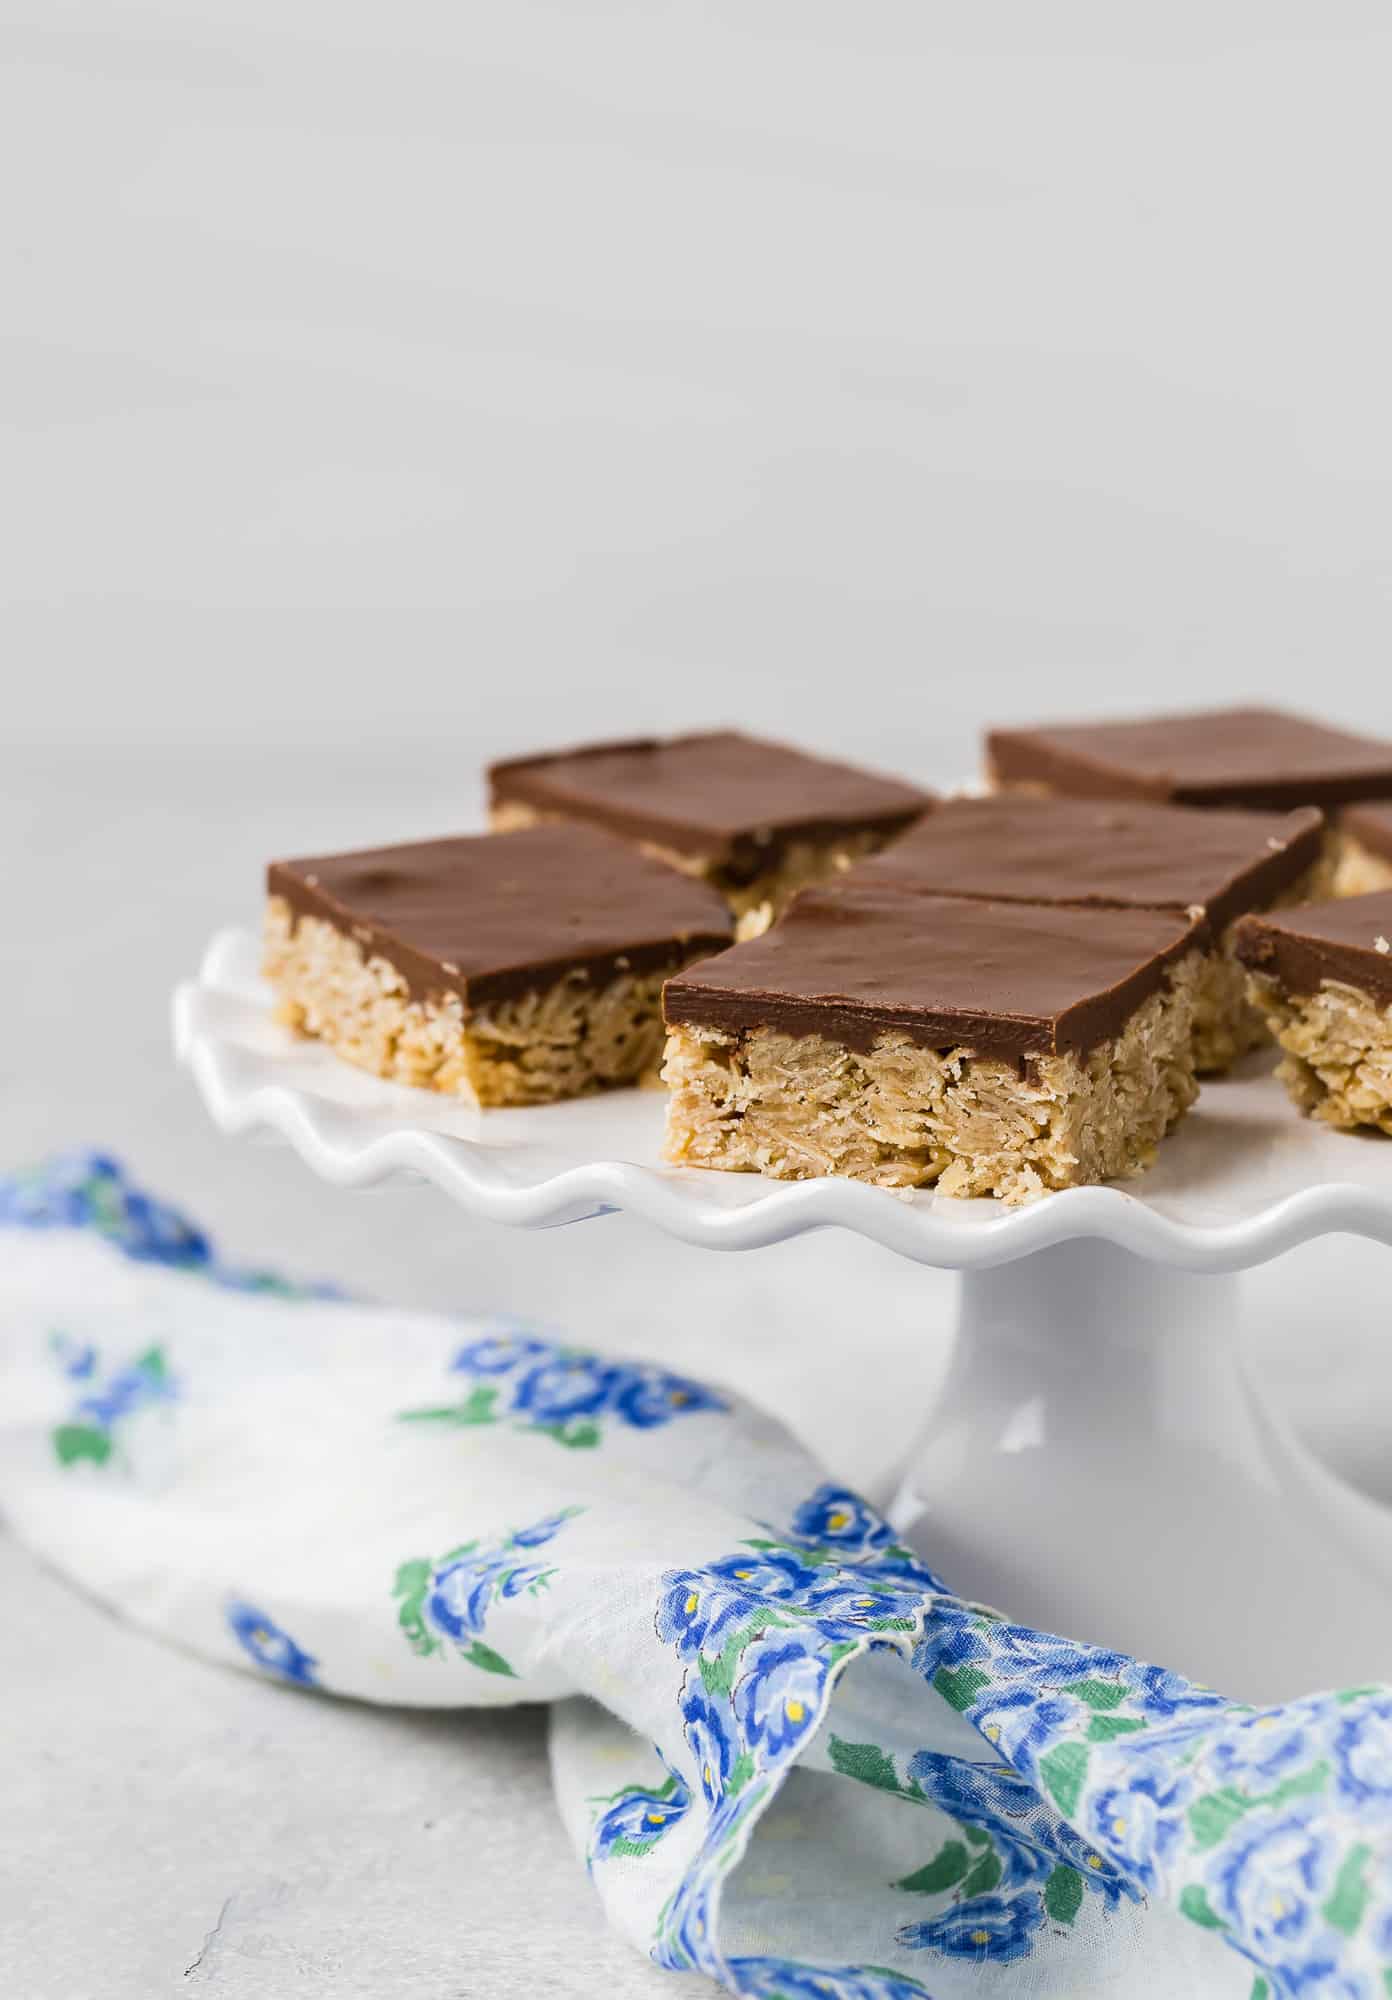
x=463 y=376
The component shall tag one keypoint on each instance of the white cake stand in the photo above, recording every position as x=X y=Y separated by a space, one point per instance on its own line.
x=1099 y=1460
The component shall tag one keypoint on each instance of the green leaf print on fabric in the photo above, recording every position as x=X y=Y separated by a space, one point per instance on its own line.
x=445 y=1602
x=72 y=1442
x=869 y=1764
x=1063 y=1894
x=1346 y=1905
x=1064 y=1771
x=484 y=1657
x=1194 y=1904
x=960 y=1686
x=105 y=1401
x=477 y=1408
x=948 y=1866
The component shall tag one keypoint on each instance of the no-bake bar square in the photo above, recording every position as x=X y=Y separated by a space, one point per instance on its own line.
x=757 y=820
x=1121 y=854
x=504 y=969
x=1323 y=977
x=1261 y=758
x=908 y=1040
x=1364 y=845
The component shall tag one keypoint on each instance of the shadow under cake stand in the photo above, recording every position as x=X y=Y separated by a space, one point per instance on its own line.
x=1099 y=1460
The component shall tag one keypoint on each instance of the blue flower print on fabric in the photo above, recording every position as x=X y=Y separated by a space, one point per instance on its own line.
x=1272 y=1886
x=837 y=1518
x=270 y=1646
x=78 y=1362
x=1141 y=1822
x=987 y=1929
x=499 y=1353
x=562 y=1392
x=785 y=1979
x=1018 y=1722
x=635 y=1819
x=772 y=1575
x=646 y=1398
x=1261 y=1750
x=847 y=1605
x=838 y=1521
x=765 y=1632
x=695 y=1612
x=92 y=1191
x=711 y=1737
x=1269 y=1828
x=779 y=1695
x=448 y=1599
x=90 y=1433
x=1028 y=1838
x=1362 y=1755
x=146 y=1380
x=563 y=1386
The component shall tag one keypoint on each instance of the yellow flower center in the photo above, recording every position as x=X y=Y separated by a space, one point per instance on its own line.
x=679 y=1396
x=794 y=1711
x=1094 y=1861
x=1118 y=1827
x=992 y=1730
x=691 y=1603
x=840 y=1519
x=657 y=1819
x=706 y=1773
x=744 y=1574
x=261 y=1634
x=981 y=1937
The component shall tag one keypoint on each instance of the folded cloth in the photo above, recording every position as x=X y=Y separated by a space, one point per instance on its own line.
x=791 y=1757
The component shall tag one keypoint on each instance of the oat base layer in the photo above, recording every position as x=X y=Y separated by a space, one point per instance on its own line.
x=900 y=1116
x=1357 y=872
x=1337 y=1051
x=1227 y=1025
x=754 y=905
x=567 y=1041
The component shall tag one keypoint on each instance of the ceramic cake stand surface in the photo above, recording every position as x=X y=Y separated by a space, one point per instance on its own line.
x=1098 y=1460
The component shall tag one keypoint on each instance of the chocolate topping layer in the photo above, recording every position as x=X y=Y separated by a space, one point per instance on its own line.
x=1259 y=757
x=1108 y=853
x=1371 y=827
x=1008 y=979
x=1350 y=941
x=732 y=800
x=507 y=913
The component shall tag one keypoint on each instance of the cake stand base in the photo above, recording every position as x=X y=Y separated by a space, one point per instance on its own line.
x=1100 y=1464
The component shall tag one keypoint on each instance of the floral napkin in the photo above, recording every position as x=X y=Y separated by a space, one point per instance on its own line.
x=791 y=1757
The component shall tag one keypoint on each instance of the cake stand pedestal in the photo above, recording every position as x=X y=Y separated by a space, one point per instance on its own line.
x=1099 y=1461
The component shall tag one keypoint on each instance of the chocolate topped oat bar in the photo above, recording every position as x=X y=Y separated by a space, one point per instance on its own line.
x=507 y=969
x=908 y=1039
x=1323 y=976
x=757 y=820
x=1124 y=854
x=1364 y=851
x=1262 y=758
